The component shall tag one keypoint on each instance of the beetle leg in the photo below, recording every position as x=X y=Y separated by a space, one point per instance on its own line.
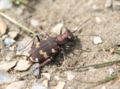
x=38 y=38
x=45 y=62
x=47 y=35
x=37 y=71
x=63 y=52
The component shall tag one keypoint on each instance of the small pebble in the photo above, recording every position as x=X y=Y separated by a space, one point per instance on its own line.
x=47 y=75
x=23 y=65
x=45 y=83
x=56 y=77
x=34 y=69
x=36 y=73
x=95 y=8
x=38 y=86
x=57 y=28
x=116 y=5
x=60 y=85
x=89 y=2
x=6 y=78
x=19 y=10
x=5 y=66
x=9 y=55
x=70 y=75
x=24 y=45
x=34 y=22
x=97 y=19
x=111 y=71
x=103 y=87
x=97 y=40
x=108 y=3
x=13 y=34
x=9 y=41
x=1 y=44
x=92 y=69
x=70 y=87
x=3 y=27
x=4 y=36
x=17 y=85
x=5 y=4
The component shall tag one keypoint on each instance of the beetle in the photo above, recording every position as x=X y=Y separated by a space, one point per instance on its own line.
x=45 y=51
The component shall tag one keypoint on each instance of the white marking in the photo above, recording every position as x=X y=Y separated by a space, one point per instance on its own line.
x=53 y=50
x=36 y=60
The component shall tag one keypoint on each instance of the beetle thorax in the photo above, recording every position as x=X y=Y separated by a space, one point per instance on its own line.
x=61 y=39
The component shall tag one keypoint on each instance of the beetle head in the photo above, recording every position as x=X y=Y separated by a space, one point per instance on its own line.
x=67 y=36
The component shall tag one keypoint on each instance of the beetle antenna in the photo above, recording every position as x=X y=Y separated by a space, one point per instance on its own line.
x=79 y=28
x=38 y=38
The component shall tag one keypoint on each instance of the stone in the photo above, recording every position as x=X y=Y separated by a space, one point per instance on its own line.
x=56 y=77
x=13 y=34
x=95 y=8
x=10 y=55
x=9 y=41
x=23 y=65
x=60 y=85
x=108 y=3
x=97 y=40
x=116 y=5
x=34 y=22
x=90 y=2
x=24 y=46
x=111 y=71
x=38 y=86
x=103 y=87
x=17 y=85
x=1 y=44
x=3 y=27
x=57 y=28
x=6 y=78
x=92 y=69
x=45 y=83
x=5 y=66
x=97 y=19
x=5 y=4
x=34 y=69
x=47 y=75
x=20 y=10
x=70 y=75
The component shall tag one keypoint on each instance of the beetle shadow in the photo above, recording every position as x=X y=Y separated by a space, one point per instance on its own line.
x=59 y=58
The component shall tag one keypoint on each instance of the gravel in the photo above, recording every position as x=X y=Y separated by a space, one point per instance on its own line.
x=23 y=65
x=9 y=41
x=5 y=4
x=38 y=86
x=17 y=85
x=6 y=78
x=3 y=27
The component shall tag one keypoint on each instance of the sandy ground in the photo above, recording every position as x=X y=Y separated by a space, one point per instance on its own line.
x=104 y=22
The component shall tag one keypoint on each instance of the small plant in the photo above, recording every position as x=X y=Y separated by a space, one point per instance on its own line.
x=18 y=2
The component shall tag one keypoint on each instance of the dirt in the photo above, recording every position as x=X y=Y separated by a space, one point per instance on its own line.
x=73 y=13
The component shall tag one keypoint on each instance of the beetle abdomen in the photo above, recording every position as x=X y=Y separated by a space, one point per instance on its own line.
x=44 y=50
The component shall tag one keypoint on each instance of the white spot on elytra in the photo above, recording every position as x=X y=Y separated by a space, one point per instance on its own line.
x=53 y=50
x=36 y=60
